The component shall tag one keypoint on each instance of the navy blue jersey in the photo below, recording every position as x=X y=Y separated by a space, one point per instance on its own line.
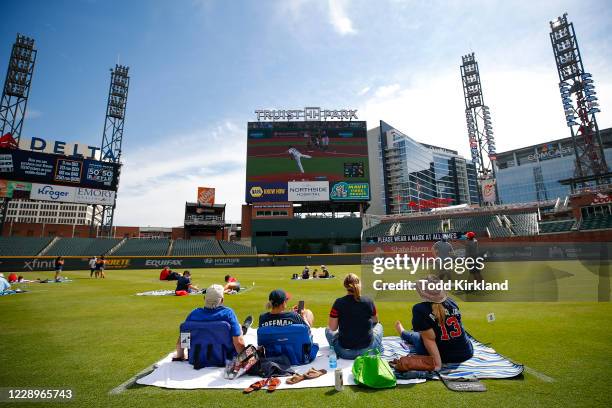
x=355 y=321
x=452 y=341
x=183 y=283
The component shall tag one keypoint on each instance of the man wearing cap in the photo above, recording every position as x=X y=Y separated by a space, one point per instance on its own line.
x=436 y=326
x=214 y=311
x=278 y=316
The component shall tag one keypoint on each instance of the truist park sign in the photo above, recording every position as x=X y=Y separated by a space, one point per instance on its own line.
x=308 y=113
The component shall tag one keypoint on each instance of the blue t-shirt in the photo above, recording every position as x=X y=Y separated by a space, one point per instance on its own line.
x=452 y=341
x=218 y=314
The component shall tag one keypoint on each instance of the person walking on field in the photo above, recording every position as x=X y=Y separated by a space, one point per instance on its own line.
x=59 y=266
x=92 y=267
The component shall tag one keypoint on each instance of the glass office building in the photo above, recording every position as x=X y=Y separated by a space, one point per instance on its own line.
x=409 y=176
x=533 y=173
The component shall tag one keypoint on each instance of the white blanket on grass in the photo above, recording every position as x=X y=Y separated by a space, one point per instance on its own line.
x=181 y=375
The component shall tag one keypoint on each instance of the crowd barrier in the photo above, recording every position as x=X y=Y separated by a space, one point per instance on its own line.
x=77 y=263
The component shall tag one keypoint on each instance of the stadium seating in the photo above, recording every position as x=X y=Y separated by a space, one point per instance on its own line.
x=231 y=248
x=22 y=246
x=378 y=230
x=143 y=247
x=597 y=222
x=187 y=247
x=477 y=223
x=82 y=246
x=524 y=223
x=496 y=230
x=554 y=227
x=417 y=226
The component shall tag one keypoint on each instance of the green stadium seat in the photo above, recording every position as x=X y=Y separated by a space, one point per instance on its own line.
x=23 y=246
x=82 y=246
x=191 y=247
x=143 y=247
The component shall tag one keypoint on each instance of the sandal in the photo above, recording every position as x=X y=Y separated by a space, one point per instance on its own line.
x=255 y=386
x=314 y=373
x=295 y=378
x=273 y=383
x=179 y=359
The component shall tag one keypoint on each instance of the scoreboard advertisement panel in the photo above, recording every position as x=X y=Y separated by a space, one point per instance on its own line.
x=35 y=167
x=307 y=161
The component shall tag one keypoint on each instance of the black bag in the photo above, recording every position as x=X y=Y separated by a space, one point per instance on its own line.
x=277 y=366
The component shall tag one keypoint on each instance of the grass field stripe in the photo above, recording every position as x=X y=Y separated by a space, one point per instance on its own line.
x=539 y=375
x=131 y=381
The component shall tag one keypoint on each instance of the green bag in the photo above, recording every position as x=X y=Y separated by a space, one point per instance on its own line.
x=372 y=371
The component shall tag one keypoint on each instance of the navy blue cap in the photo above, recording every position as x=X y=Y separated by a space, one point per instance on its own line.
x=278 y=296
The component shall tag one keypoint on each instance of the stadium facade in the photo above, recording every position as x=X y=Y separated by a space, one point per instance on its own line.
x=29 y=211
x=409 y=176
x=533 y=173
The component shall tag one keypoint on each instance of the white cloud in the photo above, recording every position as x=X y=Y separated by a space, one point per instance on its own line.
x=387 y=91
x=339 y=19
x=364 y=91
x=157 y=180
x=32 y=114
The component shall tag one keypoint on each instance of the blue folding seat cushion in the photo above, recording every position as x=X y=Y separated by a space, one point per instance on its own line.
x=210 y=343
x=293 y=341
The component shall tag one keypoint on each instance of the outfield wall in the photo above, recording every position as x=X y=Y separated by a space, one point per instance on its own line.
x=77 y=263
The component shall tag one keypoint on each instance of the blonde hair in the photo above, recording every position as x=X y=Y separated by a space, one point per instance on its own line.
x=353 y=285
x=439 y=311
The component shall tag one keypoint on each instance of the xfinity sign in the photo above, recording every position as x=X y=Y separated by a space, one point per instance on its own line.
x=308 y=113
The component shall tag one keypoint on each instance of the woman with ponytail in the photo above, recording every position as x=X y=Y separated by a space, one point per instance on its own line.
x=436 y=326
x=353 y=324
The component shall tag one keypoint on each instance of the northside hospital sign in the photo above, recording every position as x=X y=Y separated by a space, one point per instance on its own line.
x=308 y=113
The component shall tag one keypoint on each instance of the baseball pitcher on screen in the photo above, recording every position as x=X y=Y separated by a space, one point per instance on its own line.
x=297 y=156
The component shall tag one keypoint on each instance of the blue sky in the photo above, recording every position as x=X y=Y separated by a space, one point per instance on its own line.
x=200 y=68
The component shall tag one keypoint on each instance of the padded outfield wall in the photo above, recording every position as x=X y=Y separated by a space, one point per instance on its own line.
x=77 y=263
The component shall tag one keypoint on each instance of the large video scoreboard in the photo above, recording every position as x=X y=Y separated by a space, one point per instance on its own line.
x=307 y=161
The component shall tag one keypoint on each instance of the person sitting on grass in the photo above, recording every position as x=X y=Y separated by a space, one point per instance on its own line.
x=324 y=272
x=59 y=266
x=5 y=286
x=315 y=274
x=184 y=286
x=278 y=314
x=214 y=311
x=306 y=273
x=231 y=285
x=353 y=326
x=436 y=327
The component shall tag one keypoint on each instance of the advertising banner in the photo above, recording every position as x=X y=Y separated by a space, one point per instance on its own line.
x=206 y=195
x=350 y=191
x=308 y=191
x=94 y=196
x=46 y=168
x=48 y=192
x=488 y=191
x=4 y=189
x=266 y=192
x=63 y=194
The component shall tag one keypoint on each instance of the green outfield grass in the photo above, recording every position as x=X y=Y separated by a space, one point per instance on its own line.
x=92 y=335
x=278 y=166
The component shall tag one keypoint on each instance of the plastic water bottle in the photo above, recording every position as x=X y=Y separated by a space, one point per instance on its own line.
x=333 y=360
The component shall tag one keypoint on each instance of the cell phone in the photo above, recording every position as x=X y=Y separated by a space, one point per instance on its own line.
x=300 y=306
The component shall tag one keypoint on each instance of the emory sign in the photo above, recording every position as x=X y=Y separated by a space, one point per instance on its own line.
x=308 y=113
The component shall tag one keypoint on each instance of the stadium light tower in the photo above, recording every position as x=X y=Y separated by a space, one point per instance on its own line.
x=479 y=126
x=579 y=103
x=112 y=136
x=17 y=86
